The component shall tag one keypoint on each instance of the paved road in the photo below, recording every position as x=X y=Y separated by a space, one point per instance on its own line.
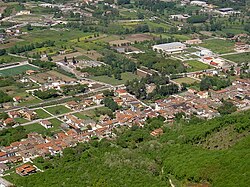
x=60 y=115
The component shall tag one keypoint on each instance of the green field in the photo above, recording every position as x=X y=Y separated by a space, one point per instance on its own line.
x=57 y=110
x=81 y=115
x=16 y=70
x=21 y=120
x=219 y=46
x=239 y=58
x=110 y=80
x=36 y=127
x=195 y=65
x=56 y=124
x=42 y=114
x=9 y=59
x=186 y=80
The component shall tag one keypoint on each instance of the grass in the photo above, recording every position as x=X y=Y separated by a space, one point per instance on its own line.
x=219 y=46
x=195 y=65
x=56 y=124
x=31 y=101
x=21 y=120
x=81 y=115
x=57 y=110
x=16 y=70
x=42 y=114
x=239 y=58
x=186 y=80
x=111 y=80
x=36 y=127
x=9 y=59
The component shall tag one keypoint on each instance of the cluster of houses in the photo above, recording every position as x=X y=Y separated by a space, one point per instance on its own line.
x=204 y=104
x=23 y=113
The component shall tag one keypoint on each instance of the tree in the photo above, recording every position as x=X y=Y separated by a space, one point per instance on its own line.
x=110 y=103
x=65 y=59
x=227 y=108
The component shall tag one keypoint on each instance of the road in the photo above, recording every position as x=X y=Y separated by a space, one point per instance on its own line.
x=60 y=115
x=59 y=99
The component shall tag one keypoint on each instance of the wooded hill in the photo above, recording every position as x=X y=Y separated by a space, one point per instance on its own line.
x=215 y=152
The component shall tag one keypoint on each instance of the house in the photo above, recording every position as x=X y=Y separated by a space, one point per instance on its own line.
x=13 y=114
x=120 y=92
x=3 y=168
x=202 y=94
x=170 y=48
x=157 y=132
x=9 y=122
x=46 y=124
x=25 y=169
x=23 y=12
x=98 y=99
x=198 y=3
x=17 y=99
x=72 y=104
x=193 y=42
x=179 y=17
x=207 y=59
x=30 y=72
x=28 y=114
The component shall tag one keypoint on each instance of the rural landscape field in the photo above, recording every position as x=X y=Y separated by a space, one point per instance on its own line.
x=114 y=93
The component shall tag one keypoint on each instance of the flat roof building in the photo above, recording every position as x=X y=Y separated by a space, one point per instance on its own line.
x=170 y=48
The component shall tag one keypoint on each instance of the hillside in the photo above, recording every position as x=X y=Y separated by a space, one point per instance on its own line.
x=215 y=152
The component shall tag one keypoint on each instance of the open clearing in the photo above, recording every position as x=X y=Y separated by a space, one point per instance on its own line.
x=186 y=80
x=239 y=58
x=111 y=80
x=219 y=46
x=56 y=110
x=194 y=65
x=16 y=70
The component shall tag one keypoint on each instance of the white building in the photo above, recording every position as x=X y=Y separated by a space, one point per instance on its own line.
x=198 y=3
x=179 y=16
x=170 y=48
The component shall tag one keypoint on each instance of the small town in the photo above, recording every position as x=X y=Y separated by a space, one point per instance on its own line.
x=114 y=77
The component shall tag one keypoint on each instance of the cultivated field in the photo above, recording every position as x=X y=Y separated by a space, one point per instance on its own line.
x=16 y=70
x=239 y=58
x=219 y=46
x=194 y=65
x=186 y=80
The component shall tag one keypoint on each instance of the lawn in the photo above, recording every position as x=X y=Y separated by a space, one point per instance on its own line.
x=56 y=124
x=195 y=65
x=186 y=80
x=81 y=115
x=21 y=120
x=239 y=58
x=57 y=110
x=42 y=114
x=111 y=80
x=219 y=46
x=16 y=70
x=9 y=59
x=36 y=127
x=31 y=101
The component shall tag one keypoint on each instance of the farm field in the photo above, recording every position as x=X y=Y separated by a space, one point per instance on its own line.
x=195 y=65
x=36 y=127
x=219 y=46
x=16 y=70
x=56 y=110
x=42 y=114
x=110 y=80
x=56 y=124
x=9 y=59
x=239 y=58
x=186 y=80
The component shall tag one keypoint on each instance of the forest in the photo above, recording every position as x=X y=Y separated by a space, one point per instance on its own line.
x=136 y=158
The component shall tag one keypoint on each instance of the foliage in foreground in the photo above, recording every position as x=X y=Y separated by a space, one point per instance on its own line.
x=138 y=159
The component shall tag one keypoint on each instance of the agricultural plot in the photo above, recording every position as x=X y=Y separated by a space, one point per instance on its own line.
x=12 y=71
x=110 y=80
x=42 y=114
x=219 y=46
x=57 y=110
x=239 y=58
x=10 y=59
x=194 y=65
x=186 y=80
